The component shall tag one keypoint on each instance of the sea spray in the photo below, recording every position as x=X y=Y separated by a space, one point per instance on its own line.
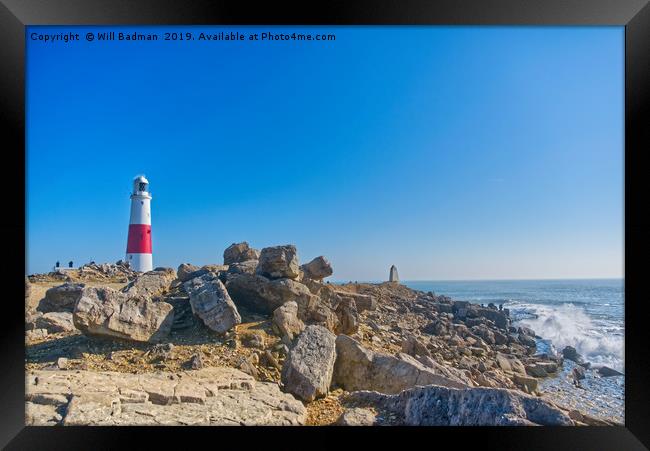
x=569 y=325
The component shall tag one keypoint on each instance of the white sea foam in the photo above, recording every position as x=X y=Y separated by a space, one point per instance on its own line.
x=569 y=325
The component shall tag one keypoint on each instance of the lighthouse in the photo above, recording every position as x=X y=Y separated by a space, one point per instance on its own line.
x=138 y=246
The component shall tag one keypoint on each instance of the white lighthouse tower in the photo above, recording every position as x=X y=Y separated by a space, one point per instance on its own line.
x=138 y=247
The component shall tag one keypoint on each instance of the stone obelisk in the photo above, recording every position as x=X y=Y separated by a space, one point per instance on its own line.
x=393 y=276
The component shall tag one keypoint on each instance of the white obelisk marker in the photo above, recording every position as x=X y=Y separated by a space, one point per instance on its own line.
x=138 y=247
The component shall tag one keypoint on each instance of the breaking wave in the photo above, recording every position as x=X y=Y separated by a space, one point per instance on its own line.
x=599 y=341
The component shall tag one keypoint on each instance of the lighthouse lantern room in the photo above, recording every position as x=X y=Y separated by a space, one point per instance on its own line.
x=138 y=247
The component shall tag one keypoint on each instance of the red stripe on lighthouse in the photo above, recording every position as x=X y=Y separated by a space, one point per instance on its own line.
x=139 y=239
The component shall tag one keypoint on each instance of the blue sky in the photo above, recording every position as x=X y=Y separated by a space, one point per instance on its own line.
x=451 y=152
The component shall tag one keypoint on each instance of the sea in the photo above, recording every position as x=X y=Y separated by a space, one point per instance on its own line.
x=587 y=314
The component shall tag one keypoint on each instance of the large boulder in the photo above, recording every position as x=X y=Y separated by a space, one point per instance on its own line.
x=239 y=252
x=61 y=299
x=442 y=406
x=260 y=294
x=210 y=302
x=185 y=271
x=53 y=322
x=247 y=267
x=151 y=284
x=110 y=313
x=317 y=269
x=307 y=370
x=358 y=368
x=606 y=371
x=570 y=353
x=286 y=320
x=279 y=262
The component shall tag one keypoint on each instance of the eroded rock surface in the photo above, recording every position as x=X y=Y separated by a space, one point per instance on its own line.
x=442 y=406
x=61 y=299
x=358 y=368
x=239 y=253
x=210 y=302
x=109 y=313
x=279 y=262
x=307 y=371
x=209 y=396
x=286 y=320
x=152 y=283
x=317 y=269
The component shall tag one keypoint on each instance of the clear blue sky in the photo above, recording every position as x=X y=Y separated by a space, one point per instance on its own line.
x=451 y=152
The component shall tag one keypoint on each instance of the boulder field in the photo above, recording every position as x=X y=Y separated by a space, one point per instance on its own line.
x=264 y=340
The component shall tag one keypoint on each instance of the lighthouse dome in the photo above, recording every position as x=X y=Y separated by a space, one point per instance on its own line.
x=140 y=184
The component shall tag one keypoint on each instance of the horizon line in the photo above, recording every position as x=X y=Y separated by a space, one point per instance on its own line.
x=490 y=280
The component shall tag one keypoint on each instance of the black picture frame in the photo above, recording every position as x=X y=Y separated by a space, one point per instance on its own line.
x=634 y=15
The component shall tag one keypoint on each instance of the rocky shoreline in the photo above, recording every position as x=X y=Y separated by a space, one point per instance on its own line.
x=263 y=340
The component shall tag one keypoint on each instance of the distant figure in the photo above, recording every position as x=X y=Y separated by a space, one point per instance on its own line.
x=70 y=264
x=500 y=307
x=57 y=264
x=393 y=276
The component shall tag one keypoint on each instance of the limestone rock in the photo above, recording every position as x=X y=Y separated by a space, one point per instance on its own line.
x=358 y=368
x=528 y=384
x=217 y=269
x=536 y=370
x=263 y=295
x=54 y=322
x=606 y=371
x=348 y=317
x=195 y=362
x=570 y=353
x=307 y=370
x=442 y=406
x=185 y=270
x=247 y=267
x=41 y=414
x=278 y=262
x=317 y=269
x=527 y=341
x=356 y=417
x=510 y=364
x=362 y=302
x=412 y=346
x=109 y=313
x=211 y=302
x=61 y=299
x=210 y=396
x=36 y=334
x=239 y=252
x=286 y=319
x=152 y=283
